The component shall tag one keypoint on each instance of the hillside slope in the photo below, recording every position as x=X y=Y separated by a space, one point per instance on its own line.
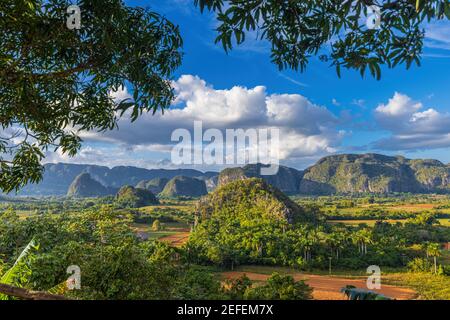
x=155 y=185
x=249 y=199
x=374 y=173
x=84 y=186
x=287 y=179
x=131 y=197
x=182 y=186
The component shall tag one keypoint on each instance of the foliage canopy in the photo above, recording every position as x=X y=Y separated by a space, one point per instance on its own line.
x=55 y=82
x=297 y=30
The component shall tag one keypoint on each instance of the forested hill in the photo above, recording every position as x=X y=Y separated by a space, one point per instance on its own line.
x=355 y=173
x=374 y=173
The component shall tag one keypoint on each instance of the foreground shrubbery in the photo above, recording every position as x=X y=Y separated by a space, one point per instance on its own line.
x=253 y=226
x=277 y=287
x=113 y=263
x=427 y=285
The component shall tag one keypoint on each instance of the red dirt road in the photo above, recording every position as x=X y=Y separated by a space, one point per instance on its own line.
x=328 y=288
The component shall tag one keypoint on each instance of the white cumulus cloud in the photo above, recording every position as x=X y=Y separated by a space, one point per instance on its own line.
x=306 y=129
x=412 y=126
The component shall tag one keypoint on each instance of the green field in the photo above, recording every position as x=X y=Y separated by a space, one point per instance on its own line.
x=285 y=251
x=442 y=222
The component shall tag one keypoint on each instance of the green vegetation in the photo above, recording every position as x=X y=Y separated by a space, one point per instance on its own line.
x=245 y=223
x=130 y=197
x=83 y=186
x=373 y=173
x=298 y=30
x=113 y=261
x=279 y=287
x=248 y=222
x=286 y=179
x=54 y=78
x=184 y=187
x=155 y=186
x=428 y=286
x=156 y=226
x=19 y=272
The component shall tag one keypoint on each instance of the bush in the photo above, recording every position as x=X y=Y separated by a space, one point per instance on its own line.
x=156 y=226
x=235 y=288
x=280 y=287
x=420 y=265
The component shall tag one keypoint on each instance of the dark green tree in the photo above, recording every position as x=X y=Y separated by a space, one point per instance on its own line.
x=280 y=287
x=298 y=30
x=56 y=82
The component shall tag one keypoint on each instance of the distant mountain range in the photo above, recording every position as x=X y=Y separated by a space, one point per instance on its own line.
x=84 y=186
x=58 y=177
x=374 y=173
x=352 y=174
x=342 y=174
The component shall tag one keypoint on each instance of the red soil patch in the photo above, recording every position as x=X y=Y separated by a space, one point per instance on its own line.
x=425 y=206
x=176 y=240
x=328 y=288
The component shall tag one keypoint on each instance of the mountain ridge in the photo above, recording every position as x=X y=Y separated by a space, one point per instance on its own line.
x=58 y=177
x=340 y=173
x=375 y=173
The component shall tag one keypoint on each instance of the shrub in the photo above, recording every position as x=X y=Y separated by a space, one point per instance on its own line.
x=280 y=287
x=156 y=226
x=418 y=265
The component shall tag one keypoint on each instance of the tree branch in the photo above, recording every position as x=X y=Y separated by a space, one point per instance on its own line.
x=28 y=294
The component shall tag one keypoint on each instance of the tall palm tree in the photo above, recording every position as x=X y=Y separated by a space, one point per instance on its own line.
x=363 y=237
x=433 y=250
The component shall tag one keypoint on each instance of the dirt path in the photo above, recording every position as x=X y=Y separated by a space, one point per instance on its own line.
x=328 y=288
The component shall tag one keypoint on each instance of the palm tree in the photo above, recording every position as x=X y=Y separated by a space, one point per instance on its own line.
x=433 y=250
x=362 y=238
x=424 y=247
x=335 y=241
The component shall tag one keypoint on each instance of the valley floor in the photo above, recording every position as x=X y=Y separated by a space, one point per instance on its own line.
x=328 y=287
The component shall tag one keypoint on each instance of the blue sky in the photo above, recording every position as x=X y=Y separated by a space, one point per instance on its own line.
x=407 y=112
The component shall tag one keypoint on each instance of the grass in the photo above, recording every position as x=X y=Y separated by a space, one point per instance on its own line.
x=443 y=222
x=445 y=257
x=170 y=228
x=370 y=223
x=160 y=234
x=185 y=206
x=428 y=286
x=24 y=214
x=394 y=207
